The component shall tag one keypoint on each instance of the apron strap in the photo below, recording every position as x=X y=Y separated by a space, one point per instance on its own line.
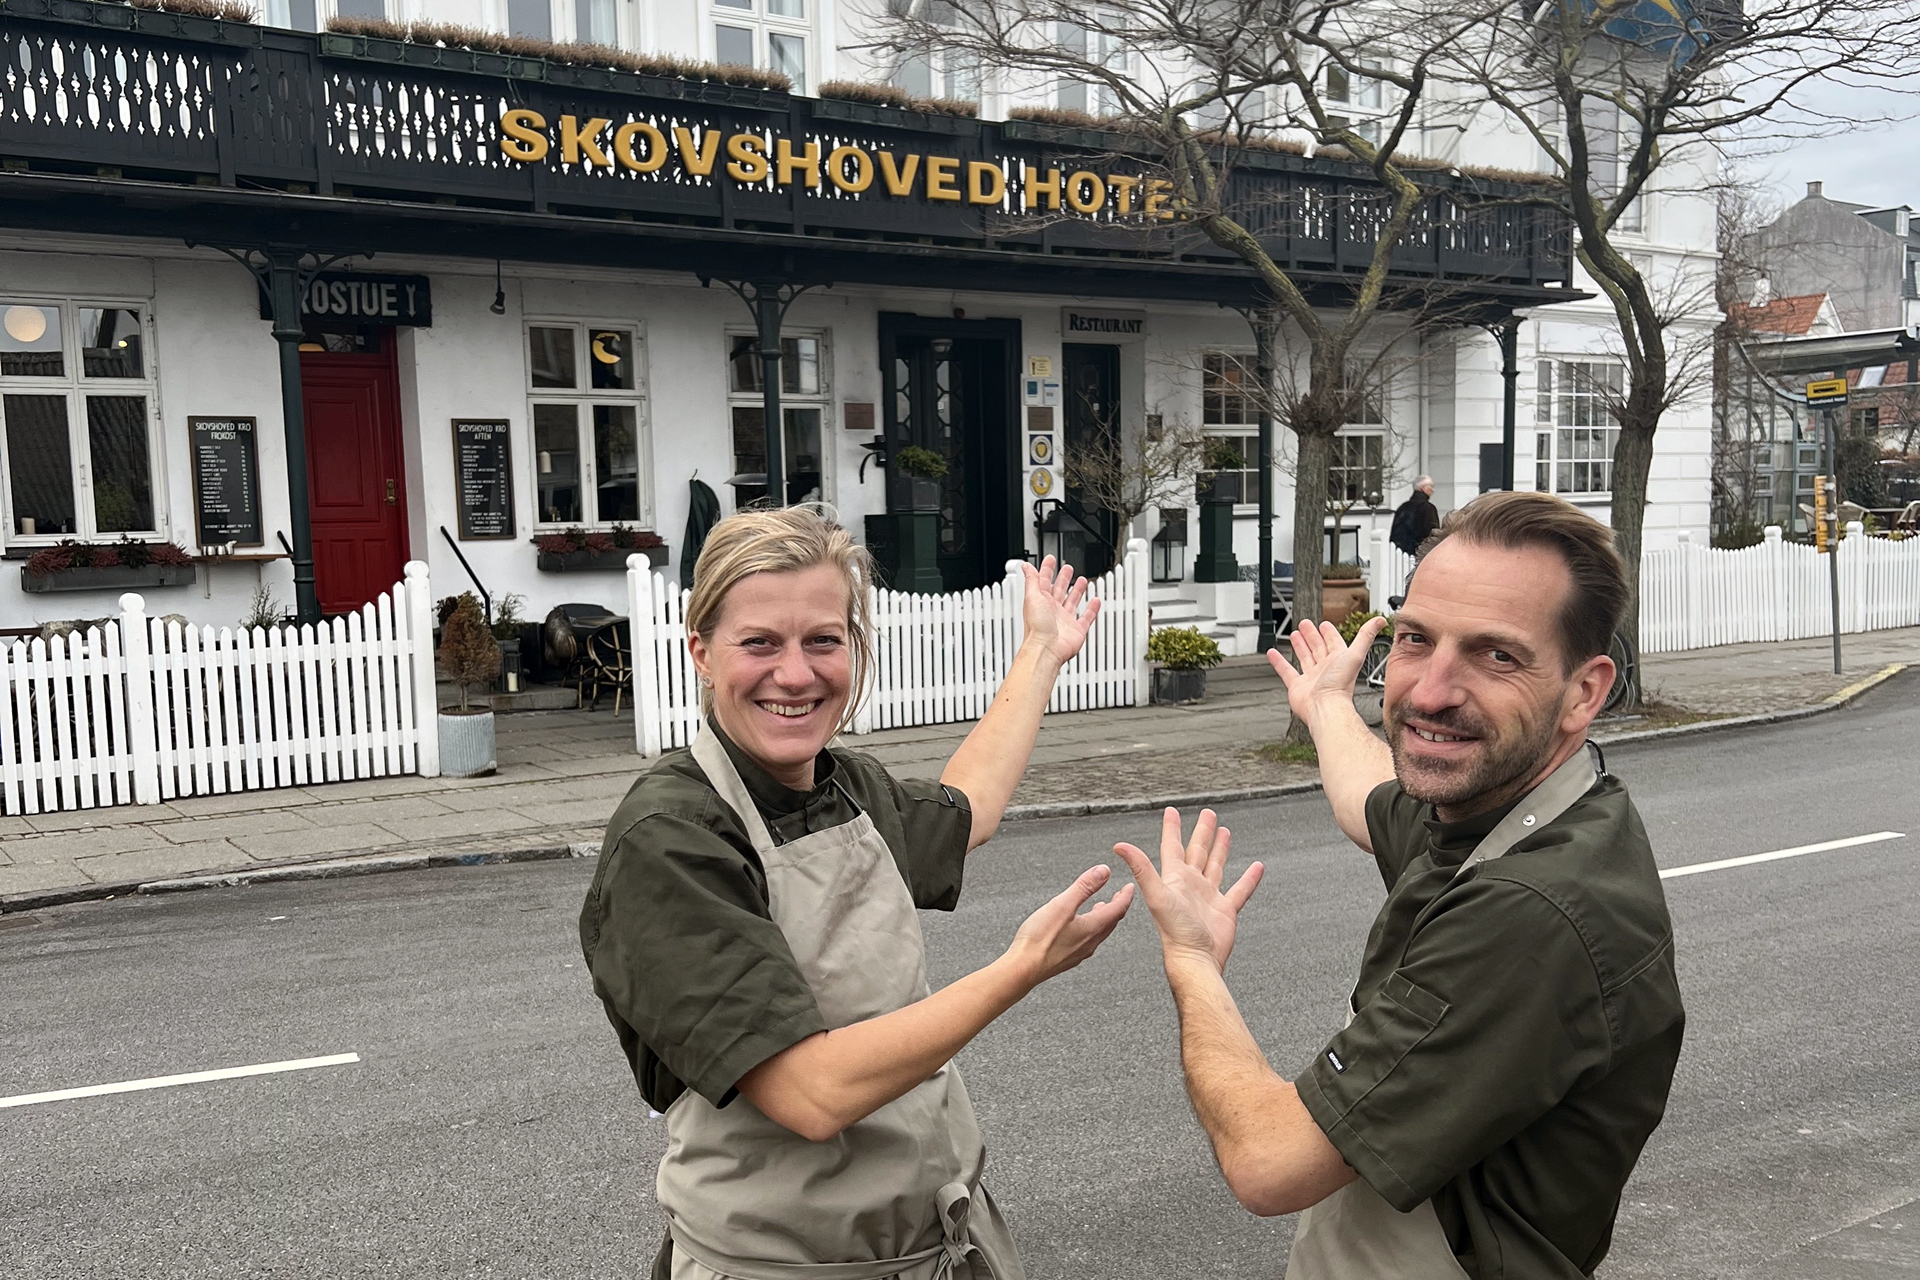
x=718 y=766
x=1546 y=802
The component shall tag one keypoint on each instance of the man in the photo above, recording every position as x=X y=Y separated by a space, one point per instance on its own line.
x=1516 y=1022
x=1415 y=518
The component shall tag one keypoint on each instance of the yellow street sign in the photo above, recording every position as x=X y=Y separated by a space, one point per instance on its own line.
x=1820 y=513
x=1827 y=391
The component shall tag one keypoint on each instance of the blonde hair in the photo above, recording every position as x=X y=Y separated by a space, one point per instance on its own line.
x=785 y=540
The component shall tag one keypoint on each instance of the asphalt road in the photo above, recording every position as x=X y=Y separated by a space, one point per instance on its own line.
x=489 y=1128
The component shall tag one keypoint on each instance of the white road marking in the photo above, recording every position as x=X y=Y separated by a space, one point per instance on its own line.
x=191 y=1077
x=1795 y=852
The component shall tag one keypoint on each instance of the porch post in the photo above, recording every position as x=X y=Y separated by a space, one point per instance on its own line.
x=1263 y=370
x=767 y=309
x=1508 y=331
x=283 y=296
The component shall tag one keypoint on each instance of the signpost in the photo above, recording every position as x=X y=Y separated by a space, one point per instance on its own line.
x=1829 y=395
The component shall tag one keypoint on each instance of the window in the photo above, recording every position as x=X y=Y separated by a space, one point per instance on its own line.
x=804 y=393
x=530 y=18
x=598 y=22
x=592 y=460
x=1362 y=96
x=1358 y=471
x=1229 y=403
x=1071 y=95
x=76 y=396
x=1573 y=406
x=772 y=34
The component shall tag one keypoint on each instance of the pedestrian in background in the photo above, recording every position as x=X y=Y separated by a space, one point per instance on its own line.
x=1512 y=1037
x=1415 y=518
x=751 y=930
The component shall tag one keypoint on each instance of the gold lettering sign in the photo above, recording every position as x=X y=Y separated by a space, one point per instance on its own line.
x=596 y=143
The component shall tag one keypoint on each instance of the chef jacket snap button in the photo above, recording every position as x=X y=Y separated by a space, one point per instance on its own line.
x=1527 y=821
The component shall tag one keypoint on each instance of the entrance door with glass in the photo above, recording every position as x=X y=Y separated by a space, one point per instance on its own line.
x=356 y=478
x=1090 y=375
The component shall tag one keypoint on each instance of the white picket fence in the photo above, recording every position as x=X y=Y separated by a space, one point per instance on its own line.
x=1694 y=596
x=937 y=658
x=141 y=710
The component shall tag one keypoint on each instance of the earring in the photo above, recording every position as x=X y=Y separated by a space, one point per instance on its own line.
x=707 y=681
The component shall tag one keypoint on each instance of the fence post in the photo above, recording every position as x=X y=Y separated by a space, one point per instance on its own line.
x=142 y=727
x=863 y=710
x=1689 y=591
x=426 y=695
x=1854 y=570
x=1776 y=583
x=1379 y=585
x=1137 y=587
x=641 y=611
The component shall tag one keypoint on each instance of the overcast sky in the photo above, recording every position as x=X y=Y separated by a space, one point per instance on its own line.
x=1873 y=164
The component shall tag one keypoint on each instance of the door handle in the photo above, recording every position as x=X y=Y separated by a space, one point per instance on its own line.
x=391 y=499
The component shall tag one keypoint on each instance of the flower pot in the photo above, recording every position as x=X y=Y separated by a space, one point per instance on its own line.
x=584 y=560
x=1342 y=596
x=466 y=744
x=112 y=578
x=1173 y=688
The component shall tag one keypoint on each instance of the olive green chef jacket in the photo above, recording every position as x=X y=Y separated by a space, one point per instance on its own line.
x=1516 y=1035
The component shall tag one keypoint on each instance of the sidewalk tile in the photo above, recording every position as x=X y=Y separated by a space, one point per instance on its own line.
x=145 y=864
x=235 y=802
x=380 y=811
x=476 y=821
x=14 y=827
x=319 y=842
x=61 y=846
x=196 y=830
x=567 y=813
x=39 y=875
x=71 y=819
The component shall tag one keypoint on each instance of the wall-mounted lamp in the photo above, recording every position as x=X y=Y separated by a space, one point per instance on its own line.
x=499 y=306
x=942 y=347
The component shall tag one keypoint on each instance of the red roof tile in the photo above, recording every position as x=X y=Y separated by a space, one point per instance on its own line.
x=1791 y=316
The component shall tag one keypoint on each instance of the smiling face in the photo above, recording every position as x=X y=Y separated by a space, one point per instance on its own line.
x=1480 y=703
x=779 y=658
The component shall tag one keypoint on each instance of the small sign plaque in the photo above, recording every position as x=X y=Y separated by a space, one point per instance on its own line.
x=1040 y=451
x=226 y=481
x=1041 y=482
x=483 y=477
x=1829 y=393
x=1039 y=366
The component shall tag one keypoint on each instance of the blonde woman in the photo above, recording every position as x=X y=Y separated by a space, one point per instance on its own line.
x=751 y=931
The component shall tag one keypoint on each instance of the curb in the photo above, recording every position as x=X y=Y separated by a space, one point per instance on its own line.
x=378 y=863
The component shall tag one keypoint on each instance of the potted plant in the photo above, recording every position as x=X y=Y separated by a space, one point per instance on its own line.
x=110 y=566
x=926 y=469
x=470 y=656
x=507 y=624
x=1343 y=590
x=573 y=549
x=1183 y=655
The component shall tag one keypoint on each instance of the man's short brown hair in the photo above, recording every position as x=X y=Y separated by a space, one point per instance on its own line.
x=1518 y=521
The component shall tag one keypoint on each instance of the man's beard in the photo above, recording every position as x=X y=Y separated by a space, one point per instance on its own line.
x=1500 y=761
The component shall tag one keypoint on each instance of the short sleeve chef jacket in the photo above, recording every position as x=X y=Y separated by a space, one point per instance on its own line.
x=1516 y=1031
x=699 y=983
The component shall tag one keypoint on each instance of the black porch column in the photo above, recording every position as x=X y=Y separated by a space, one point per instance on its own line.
x=1508 y=331
x=1263 y=370
x=283 y=296
x=767 y=310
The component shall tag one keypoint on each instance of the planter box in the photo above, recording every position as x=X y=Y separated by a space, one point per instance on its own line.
x=587 y=561
x=115 y=578
x=1342 y=596
x=1178 y=688
x=466 y=744
x=888 y=116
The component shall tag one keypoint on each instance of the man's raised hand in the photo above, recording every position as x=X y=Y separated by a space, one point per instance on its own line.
x=1328 y=665
x=1184 y=894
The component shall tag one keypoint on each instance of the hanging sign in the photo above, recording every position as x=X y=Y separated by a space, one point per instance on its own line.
x=336 y=299
x=226 y=481
x=1828 y=393
x=483 y=477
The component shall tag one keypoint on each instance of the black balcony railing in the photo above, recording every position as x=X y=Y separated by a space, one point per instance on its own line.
x=106 y=89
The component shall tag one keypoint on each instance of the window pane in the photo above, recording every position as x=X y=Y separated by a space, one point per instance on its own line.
x=616 y=459
x=733 y=45
x=30 y=341
x=361 y=8
x=788 y=56
x=749 y=454
x=734 y=4
x=596 y=21
x=743 y=364
x=612 y=363
x=530 y=18
x=800 y=365
x=787 y=8
x=803 y=454
x=550 y=357
x=556 y=443
x=110 y=343
x=122 y=469
x=39 y=464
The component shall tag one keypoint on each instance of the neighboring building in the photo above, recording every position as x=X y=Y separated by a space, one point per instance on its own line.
x=1767 y=448
x=1866 y=260
x=570 y=280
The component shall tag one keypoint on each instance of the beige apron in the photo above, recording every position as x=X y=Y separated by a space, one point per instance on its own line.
x=897 y=1194
x=1354 y=1234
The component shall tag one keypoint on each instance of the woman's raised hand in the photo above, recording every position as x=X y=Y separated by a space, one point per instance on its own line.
x=1059 y=935
x=1057 y=612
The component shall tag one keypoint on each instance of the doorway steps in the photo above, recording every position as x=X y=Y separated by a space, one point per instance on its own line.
x=1179 y=604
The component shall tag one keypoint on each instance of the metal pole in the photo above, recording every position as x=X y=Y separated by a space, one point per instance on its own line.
x=1833 y=542
x=1263 y=370
x=283 y=295
x=767 y=311
x=1509 y=335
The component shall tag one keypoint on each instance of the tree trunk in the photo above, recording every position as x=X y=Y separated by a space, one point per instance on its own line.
x=1314 y=455
x=1632 y=463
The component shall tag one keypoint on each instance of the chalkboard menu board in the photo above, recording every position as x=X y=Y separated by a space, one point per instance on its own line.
x=483 y=476
x=226 y=481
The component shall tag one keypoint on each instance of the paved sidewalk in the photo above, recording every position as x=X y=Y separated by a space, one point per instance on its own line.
x=562 y=773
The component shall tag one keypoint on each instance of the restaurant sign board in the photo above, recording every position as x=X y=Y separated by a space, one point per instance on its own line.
x=348 y=299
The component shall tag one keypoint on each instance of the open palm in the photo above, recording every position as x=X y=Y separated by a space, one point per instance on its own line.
x=1057 y=612
x=1184 y=895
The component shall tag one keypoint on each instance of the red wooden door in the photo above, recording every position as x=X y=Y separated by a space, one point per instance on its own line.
x=356 y=483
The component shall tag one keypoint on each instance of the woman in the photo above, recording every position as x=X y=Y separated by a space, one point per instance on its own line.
x=751 y=931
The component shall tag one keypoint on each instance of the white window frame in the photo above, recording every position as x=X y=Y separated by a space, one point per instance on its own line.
x=76 y=386
x=1555 y=443
x=1366 y=117
x=1247 y=430
x=759 y=18
x=821 y=399
x=583 y=397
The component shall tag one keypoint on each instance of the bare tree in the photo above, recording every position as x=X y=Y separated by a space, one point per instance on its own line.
x=1199 y=84
x=1616 y=93
x=1130 y=474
